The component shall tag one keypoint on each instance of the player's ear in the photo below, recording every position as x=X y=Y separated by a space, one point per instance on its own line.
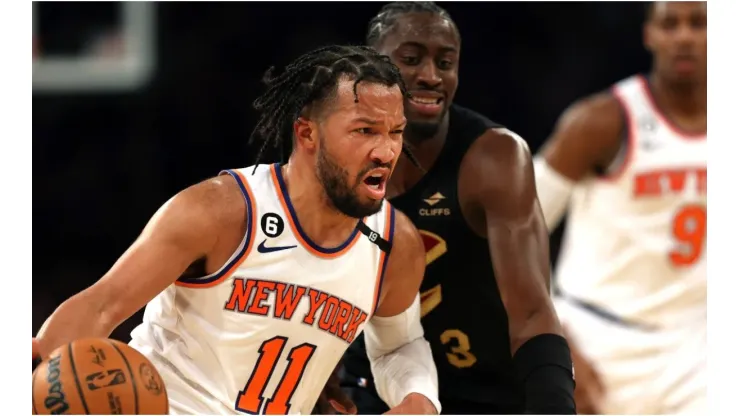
x=306 y=133
x=647 y=39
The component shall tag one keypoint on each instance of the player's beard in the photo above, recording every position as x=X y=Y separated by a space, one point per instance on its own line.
x=335 y=180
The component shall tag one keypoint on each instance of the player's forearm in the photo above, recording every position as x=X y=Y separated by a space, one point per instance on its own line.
x=401 y=360
x=526 y=323
x=405 y=374
x=81 y=316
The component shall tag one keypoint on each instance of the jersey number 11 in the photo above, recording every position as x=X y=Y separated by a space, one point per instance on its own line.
x=250 y=399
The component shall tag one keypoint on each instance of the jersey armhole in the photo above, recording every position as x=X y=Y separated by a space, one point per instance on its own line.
x=390 y=227
x=242 y=251
x=615 y=170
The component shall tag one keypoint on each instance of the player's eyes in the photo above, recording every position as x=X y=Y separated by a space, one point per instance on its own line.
x=410 y=60
x=445 y=64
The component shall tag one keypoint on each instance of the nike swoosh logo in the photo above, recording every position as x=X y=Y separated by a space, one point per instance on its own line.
x=262 y=249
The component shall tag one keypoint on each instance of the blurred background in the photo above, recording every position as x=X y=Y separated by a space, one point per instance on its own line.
x=133 y=102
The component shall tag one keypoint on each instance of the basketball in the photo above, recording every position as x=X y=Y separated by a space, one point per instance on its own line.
x=98 y=376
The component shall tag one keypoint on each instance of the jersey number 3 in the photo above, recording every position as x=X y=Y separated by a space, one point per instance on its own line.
x=690 y=233
x=251 y=398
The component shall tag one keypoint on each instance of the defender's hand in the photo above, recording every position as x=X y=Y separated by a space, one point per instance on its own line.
x=332 y=400
x=413 y=404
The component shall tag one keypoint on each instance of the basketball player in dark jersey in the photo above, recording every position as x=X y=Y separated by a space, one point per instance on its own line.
x=486 y=308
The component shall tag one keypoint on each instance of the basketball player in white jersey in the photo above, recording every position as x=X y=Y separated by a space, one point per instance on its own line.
x=631 y=164
x=256 y=281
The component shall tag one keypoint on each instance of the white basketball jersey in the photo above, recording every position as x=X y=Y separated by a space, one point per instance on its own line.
x=635 y=241
x=263 y=334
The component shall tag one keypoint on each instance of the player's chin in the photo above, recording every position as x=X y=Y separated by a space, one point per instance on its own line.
x=424 y=127
x=370 y=205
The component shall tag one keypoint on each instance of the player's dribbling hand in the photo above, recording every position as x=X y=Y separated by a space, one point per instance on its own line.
x=413 y=404
x=333 y=400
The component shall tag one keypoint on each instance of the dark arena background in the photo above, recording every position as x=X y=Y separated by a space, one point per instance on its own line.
x=134 y=102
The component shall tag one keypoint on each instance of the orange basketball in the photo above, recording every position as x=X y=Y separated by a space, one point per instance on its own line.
x=99 y=377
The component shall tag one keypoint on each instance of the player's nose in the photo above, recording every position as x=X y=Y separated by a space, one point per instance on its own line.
x=686 y=35
x=428 y=74
x=383 y=154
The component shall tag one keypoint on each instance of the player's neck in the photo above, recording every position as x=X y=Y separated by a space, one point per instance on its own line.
x=323 y=224
x=685 y=99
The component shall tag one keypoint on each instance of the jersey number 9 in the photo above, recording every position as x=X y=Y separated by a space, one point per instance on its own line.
x=690 y=234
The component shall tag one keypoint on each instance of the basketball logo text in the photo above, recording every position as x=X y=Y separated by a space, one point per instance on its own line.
x=55 y=401
x=105 y=379
x=98 y=356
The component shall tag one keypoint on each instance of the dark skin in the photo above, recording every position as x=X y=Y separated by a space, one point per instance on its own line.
x=426 y=48
x=589 y=134
x=496 y=179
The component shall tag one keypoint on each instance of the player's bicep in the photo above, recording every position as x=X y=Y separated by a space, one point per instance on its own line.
x=519 y=251
x=181 y=232
x=405 y=269
x=515 y=228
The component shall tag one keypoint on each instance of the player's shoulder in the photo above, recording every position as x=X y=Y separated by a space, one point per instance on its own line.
x=219 y=200
x=493 y=147
x=496 y=154
x=407 y=255
x=601 y=111
x=406 y=237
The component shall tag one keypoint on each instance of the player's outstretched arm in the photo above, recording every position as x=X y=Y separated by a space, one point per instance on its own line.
x=182 y=231
x=498 y=175
x=401 y=359
x=587 y=137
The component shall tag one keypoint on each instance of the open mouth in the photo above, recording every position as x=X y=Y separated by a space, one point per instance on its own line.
x=375 y=183
x=426 y=102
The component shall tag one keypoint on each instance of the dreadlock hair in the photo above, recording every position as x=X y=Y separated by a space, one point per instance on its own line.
x=387 y=16
x=309 y=81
